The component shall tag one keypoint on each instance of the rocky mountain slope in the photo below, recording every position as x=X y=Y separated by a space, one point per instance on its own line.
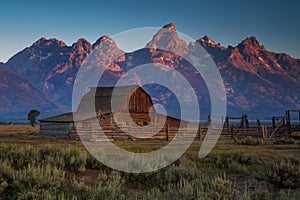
x=51 y=65
x=256 y=80
x=18 y=96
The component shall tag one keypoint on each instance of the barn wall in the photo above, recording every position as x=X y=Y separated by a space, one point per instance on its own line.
x=87 y=129
x=90 y=128
x=138 y=102
x=142 y=119
x=57 y=130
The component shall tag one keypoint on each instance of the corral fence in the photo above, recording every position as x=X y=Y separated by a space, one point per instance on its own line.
x=168 y=133
x=233 y=128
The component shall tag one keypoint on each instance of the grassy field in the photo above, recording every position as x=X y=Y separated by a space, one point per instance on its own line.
x=4 y=129
x=32 y=167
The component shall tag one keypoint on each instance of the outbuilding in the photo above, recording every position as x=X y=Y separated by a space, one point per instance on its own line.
x=132 y=107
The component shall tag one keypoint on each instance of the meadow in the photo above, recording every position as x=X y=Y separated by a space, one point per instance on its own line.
x=32 y=167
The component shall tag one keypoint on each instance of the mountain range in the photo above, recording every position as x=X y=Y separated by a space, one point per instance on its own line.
x=257 y=81
x=18 y=96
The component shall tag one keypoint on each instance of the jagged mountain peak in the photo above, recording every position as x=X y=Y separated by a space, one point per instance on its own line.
x=250 y=46
x=82 y=41
x=104 y=39
x=167 y=38
x=251 y=41
x=49 y=42
x=170 y=26
x=82 y=45
x=107 y=44
x=206 y=40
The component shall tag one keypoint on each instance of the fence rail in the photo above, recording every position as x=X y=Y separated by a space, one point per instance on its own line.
x=166 y=133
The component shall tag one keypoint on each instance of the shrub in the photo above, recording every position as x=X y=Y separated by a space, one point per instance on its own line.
x=288 y=195
x=106 y=187
x=31 y=182
x=186 y=169
x=284 y=141
x=41 y=194
x=93 y=163
x=6 y=176
x=260 y=192
x=223 y=188
x=183 y=189
x=53 y=155
x=75 y=160
x=82 y=190
x=284 y=173
x=202 y=187
x=18 y=156
x=250 y=141
x=234 y=161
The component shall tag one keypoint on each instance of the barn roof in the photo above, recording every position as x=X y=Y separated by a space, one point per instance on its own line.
x=67 y=117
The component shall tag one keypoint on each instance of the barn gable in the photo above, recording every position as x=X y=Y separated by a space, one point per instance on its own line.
x=133 y=98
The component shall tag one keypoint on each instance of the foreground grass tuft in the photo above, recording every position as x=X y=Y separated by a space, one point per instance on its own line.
x=56 y=172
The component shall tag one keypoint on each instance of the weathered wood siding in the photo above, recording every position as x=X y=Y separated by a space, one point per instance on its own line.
x=57 y=130
x=86 y=128
x=90 y=128
x=137 y=102
x=142 y=120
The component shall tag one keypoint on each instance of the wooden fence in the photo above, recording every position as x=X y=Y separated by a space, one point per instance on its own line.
x=93 y=133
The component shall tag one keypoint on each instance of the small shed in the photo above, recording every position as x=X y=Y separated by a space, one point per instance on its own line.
x=59 y=126
x=128 y=99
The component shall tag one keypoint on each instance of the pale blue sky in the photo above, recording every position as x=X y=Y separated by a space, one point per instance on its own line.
x=275 y=24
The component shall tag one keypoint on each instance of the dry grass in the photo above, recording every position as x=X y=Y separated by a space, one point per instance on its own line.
x=28 y=135
x=171 y=182
x=25 y=134
x=18 y=129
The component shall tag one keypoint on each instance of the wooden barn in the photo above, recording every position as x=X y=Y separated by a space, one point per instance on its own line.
x=132 y=108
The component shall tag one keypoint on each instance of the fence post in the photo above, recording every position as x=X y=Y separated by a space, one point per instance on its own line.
x=227 y=122
x=258 y=126
x=129 y=131
x=288 y=123
x=167 y=132
x=245 y=125
x=199 y=133
x=110 y=122
x=264 y=132
x=231 y=131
